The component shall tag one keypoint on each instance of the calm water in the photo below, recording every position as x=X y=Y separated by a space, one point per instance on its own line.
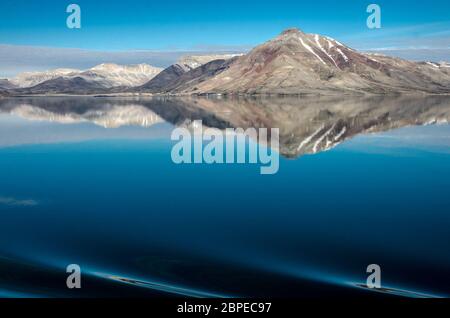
x=90 y=181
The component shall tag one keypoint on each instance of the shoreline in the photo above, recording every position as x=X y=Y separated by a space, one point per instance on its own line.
x=222 y=95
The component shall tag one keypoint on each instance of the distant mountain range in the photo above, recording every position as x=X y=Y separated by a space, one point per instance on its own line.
x=100 y=78
x=105 y=75
x=292 y=63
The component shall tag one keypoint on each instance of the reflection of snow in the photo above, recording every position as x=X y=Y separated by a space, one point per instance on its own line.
x=308 y=139
x=322 y=137
x=338 y=136
x=112 y=117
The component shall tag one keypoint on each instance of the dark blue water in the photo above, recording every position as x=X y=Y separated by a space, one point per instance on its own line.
x=139 y=225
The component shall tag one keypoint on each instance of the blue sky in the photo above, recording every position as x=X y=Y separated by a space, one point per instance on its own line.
x=208 y=24
x=34 y=35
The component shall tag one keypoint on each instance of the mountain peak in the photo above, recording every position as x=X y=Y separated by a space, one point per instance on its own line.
x=292 y=31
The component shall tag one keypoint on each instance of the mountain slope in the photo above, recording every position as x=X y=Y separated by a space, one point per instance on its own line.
x=199 y=75
x=296 y=63
x=6 y=84
x=194 y=61
x=175 y=78
x=62 y=85
x=162 y=80
x=186 y=69
x=30 y=79
x=113 y=75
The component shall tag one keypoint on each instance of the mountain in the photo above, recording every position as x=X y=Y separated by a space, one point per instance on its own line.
x=6 y=84
x=63 y=85
x=199 y=75
x=106 y=75
x=29 y=79
x=164 y=79
x=113 y=75
x=176 y=78
x=300 y=63
x=186 y=69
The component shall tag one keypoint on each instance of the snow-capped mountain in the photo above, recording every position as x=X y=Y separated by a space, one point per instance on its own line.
x=112 y=75
x=29 y=79
x=6 y=84
x=104 y=75
x=299 y=63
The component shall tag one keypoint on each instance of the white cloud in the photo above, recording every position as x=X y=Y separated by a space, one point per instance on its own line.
x=15 y=59
x=415 y=54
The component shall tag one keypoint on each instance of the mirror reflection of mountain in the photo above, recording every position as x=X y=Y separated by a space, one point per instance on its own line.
x=306 y=125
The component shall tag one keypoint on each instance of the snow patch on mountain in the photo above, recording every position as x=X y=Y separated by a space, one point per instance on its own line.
x=342 y=54
x=316 y=37
x=433 y=64
x=311 y=50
